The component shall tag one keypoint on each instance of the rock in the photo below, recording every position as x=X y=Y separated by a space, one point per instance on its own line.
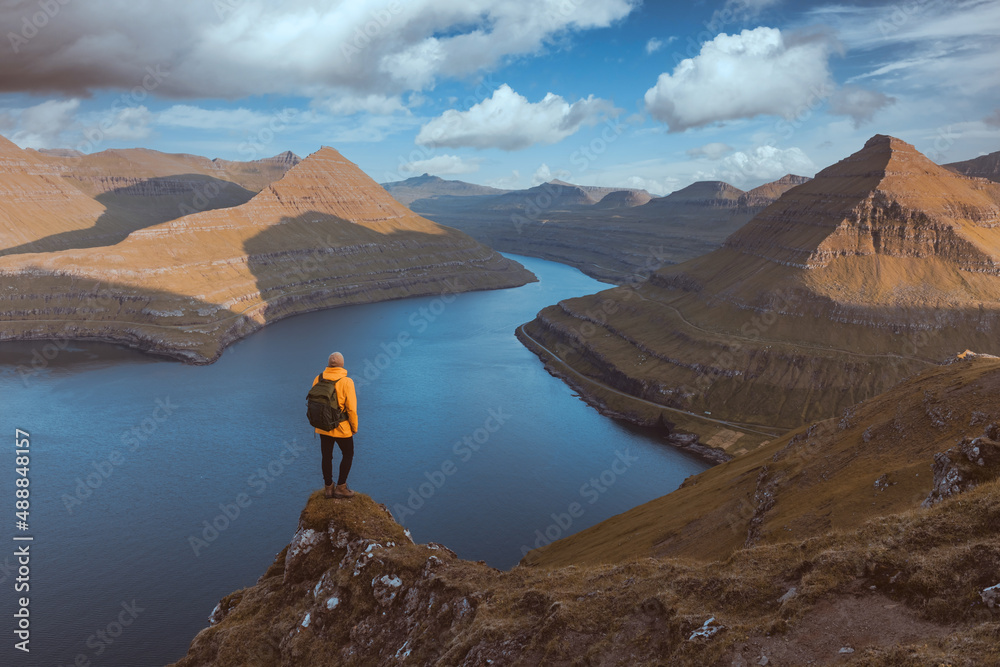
x=963 y=467
x=847 y=649
x=707 y=630
x=991 y=596
x=792 y=592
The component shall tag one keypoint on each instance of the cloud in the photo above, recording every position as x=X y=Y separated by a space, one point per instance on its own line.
x=655 y=187
x=858 y=103
x=653 y=45
x=348 y=104
x=544 y=174
x=198 y=118
x=314 y=48
x=510 y=122
x=926 y=49
x=760 y=165
x=712 y=151
x=738 y=11
x=993 y=119
x=757 y=72
x=506 y=182
x=442 y=165
x=128 y=124
x=42 y=125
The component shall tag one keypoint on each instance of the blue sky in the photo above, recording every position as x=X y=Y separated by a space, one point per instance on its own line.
x=508 y=93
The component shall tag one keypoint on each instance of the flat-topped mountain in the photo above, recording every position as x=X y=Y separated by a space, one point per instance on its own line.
x=881 y=265
x=984 y=166
x=763 y=195
x=707 y=193
x=427 y=187
x=323 y=235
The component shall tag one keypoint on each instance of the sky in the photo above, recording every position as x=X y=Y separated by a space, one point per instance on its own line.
x=508 y=93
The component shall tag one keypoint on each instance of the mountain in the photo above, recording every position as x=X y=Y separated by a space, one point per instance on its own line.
x=705 y=193
x=427 y=187
x=618 y=235
x=882 y=265
x=139 y=188
x=36 y=202
x=599 y=193
x=838 y=474
x=322 y=235
x=984 y=166
x=829 y=546
x=764 y=195
x=624 y=199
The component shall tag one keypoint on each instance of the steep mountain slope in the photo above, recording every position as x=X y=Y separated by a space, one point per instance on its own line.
x=323 y=235
x=883 y=264
x=615 y=235
x=36 y=202
x=834 y=561
x=873 y=460
x=984 y=166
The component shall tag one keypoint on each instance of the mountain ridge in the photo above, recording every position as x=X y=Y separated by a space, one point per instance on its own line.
x=880 y=266
x=322 y=235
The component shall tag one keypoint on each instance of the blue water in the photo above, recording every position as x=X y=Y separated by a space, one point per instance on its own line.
x=462 y=433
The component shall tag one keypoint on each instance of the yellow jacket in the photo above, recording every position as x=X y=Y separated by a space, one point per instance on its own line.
x=346 y=399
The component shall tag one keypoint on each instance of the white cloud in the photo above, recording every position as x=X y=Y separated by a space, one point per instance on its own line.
x=510 y=122
x=544 y=174
x=757 y=72
x=735 y=11
x=442 y=165
x=760 y=165
x=656 y=187
x=511 y=182
x=42 y=125
x=712 y=151
x=348 y=104
x=858 y=103
x=315 y=48
x=198 y=118
x=927 y=49
x=653 y=45
x=128 y=124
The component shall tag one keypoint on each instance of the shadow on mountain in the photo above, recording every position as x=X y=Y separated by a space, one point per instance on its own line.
x=52 y=312
x=317 y=260
x=141 y=205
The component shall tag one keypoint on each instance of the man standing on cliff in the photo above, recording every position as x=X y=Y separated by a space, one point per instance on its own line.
x=343 y=433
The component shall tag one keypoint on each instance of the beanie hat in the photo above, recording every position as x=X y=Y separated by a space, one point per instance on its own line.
x=336 y=360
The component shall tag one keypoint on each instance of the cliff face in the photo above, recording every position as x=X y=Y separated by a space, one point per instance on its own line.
x=883 y=264
x=825 y=531
x=323 y=235
x=984 y=166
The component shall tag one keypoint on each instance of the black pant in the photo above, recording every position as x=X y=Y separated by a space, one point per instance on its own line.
x=326 y=443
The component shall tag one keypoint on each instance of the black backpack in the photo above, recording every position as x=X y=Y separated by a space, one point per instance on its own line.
x=322 y=408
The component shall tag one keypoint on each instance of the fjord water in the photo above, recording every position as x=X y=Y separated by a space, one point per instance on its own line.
x=462 y=433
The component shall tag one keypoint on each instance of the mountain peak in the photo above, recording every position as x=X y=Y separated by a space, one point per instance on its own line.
x=887 y=199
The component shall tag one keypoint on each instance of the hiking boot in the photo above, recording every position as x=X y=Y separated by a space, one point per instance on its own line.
x=328 y=491
x=342 y=491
